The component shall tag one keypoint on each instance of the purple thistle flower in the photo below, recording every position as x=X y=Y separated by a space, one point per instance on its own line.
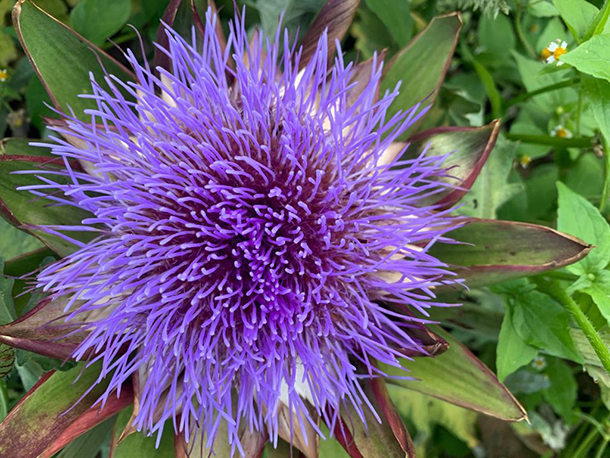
x=260 y=245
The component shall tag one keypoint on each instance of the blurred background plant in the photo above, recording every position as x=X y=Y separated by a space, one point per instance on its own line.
x=543 y=68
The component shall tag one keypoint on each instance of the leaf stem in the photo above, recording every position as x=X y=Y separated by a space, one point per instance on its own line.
x=521 y=35
x=558 y=293
x=606 y=190
x=578 y=142
x=542 y=90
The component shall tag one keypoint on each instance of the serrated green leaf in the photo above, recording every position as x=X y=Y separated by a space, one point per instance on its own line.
x=562 y=392
x=592 y=57
x=512 y=352
x=543 y=323
x=598 y=94
x=576 y=216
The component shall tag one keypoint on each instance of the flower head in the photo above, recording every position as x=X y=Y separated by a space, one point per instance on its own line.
x=260 y=245
x=561 y=132
x=3 y=75
x=554 y=51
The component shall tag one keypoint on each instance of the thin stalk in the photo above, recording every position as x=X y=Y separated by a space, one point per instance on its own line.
x=579 y=112
x=521 y=35
x=542 y=90
x=557 y=292
x=602 y=449
x=578 y=142
x=555 y=274
x=606 y=190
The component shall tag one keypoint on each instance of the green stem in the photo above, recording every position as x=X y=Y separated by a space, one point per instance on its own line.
x=555 y=274
x=602 y=449
x=120 y=39
x=578 y=142
x=579 y=112
x=521 y=35
x=542 y=90
x=557 y=292
x=606 y=190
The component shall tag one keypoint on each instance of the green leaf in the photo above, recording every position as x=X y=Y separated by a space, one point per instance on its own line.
x=496 y=35
x=597 y=286
x=7 y=307
x=469 y=147
x=43 y=331
x=562 y=392
x=542 y=9
x=458 y=377
x=576 y=216
x=19 y=267
x=52 y=406
x=598 y=93
x=25 y=210
x=422 y=65
x=425 y=412
x=396 y=16
x=491 y=251
x=492 y=189
x=15 y=242
x=62 y=59
x=512 y=352
x=22 y=147
x=591 y=361
x=97 y=20
x=577 y=14
x=535 y=75
x=543 y=323
x=137 y=445
x=592 y=57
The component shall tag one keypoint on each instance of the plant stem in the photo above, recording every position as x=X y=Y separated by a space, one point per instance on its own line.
x=578 y=142
x=557 y=292
x=542 y=90
x=579 y=112
x=606 y=190
x=561 y=276
x=521 y=35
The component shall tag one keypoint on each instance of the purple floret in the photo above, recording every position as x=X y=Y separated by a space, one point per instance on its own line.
x=250 y=240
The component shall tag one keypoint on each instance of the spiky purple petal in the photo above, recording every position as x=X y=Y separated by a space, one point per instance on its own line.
x=248 y=237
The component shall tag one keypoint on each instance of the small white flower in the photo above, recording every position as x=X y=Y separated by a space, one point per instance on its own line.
x=539 y=363
x=554 y=51
x=524 y=161
x=560 y=131
x=3 y=75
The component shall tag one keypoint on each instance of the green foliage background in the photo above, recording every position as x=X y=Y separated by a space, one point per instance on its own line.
x=520 y=329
